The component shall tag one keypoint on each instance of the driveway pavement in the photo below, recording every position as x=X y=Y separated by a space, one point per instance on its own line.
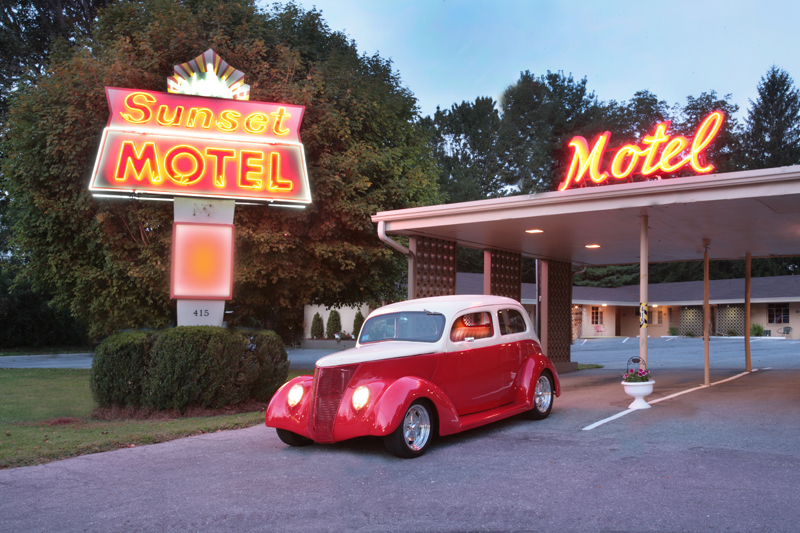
x=723 y=458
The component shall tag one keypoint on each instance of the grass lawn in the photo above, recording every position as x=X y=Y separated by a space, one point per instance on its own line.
x=45 y=414
x=46 y=350
x=587 y=366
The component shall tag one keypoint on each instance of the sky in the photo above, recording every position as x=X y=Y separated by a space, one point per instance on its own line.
x=449 y=51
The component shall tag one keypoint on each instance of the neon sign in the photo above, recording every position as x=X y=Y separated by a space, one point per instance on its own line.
x=184 y=145
x=663 y=154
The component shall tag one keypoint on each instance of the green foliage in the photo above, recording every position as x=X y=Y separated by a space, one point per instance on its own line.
x=756 y=330
x=608 y=276
x=317 y=328
x=119 y=368
x=358 y=321
x=108 y=262
x=27 y=319
x=732 y=333
x=673 y=330
x=188 y=366
x=772 y=127
x=334 y=324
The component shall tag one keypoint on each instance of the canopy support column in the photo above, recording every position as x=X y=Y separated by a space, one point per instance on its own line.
x=643 y=281
x=747 y=271
x=706 y=315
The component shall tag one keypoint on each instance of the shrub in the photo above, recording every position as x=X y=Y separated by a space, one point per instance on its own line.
x=673 y=330
x=690 y=333
x=334 y=324
x=194 y=365
x=200 y=366
x=756 y=330
x=119 y=368
x=732 y=333
x=317 y=331
x=273 y=364
x=358 y=321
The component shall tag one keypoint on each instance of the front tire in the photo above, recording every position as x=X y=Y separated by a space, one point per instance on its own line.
x=293 y=439
x=414 y=435
x=542 y=397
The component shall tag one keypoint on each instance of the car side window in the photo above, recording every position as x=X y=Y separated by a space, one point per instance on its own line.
x=472 y=326
x=510 y=321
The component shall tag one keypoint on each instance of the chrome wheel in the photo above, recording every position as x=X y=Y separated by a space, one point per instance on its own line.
x=543 y=396
x=416 y=427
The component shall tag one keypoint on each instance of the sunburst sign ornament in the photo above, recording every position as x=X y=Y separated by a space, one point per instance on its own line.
x=204 y=138
x=208 y=75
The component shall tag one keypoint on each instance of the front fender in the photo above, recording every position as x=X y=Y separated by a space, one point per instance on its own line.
x=295 y=419
x=388 y=404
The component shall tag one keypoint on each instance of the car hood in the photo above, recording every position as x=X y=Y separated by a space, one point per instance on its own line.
x=379 y=351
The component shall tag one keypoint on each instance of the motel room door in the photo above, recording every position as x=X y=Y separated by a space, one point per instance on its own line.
x=618 y=322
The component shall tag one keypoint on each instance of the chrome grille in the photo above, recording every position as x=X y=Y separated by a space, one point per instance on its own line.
x=329 y=386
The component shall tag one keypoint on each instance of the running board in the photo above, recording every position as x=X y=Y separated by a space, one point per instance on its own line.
x=498 y=413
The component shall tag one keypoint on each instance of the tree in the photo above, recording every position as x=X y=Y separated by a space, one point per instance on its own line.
x=539 y=115
x=464 y=142
x=772 y=127
x=29 y=30
x=725 y=151
x=108 y=261
x=334 y=324
x=317 y=329
x=358 y=321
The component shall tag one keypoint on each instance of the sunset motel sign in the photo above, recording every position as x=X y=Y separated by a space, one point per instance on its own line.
x=205 y=146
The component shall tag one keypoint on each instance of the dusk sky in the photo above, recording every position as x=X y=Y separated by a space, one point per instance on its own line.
x=448 y=51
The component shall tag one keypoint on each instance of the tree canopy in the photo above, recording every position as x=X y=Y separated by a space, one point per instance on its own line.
x=108 y=261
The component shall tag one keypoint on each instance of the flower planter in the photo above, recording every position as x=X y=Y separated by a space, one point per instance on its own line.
x=638 y=391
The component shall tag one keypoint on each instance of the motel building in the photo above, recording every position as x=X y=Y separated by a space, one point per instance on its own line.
x=600 y=216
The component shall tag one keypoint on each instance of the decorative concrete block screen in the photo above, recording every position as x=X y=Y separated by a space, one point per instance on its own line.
x=506 y=276
x=691 y=321
x=730 y=319
x=559 y=311
x=577 y=321
x=435 y=267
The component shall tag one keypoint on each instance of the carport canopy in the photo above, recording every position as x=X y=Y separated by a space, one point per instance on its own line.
x=756 y=212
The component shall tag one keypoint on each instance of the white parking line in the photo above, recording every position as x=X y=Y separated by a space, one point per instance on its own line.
x=623 y=413
x=626 y=340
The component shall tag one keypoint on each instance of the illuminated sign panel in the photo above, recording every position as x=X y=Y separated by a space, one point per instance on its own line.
x=171 y=144
x=202 y=261
x=662 y=155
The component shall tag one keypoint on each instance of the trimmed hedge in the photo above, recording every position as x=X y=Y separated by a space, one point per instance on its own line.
x=188 y=366
x=120 y=367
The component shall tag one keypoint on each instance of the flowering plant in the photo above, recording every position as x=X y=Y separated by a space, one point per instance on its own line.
x=636 y=376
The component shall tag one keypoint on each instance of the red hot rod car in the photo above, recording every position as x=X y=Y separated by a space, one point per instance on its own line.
x=421 y=368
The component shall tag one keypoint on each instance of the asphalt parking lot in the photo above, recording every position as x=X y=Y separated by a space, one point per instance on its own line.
x=723 y=458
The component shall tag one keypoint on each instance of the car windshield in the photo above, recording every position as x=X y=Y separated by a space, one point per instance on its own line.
x=419 y=326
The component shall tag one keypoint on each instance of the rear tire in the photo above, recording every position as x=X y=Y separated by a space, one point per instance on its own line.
x=414 y=435
x=293 y=439
x=542 y=397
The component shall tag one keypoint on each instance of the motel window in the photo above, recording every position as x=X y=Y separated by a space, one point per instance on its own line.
x=778 y=313
x=597 y=316
x=658 y=317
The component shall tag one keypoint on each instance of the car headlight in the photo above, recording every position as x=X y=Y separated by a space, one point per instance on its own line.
x=295 y=395
x=360 y=397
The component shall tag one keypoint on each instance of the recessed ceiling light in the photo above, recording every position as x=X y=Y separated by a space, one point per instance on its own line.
x=604 y=305
x=534 y=231
x=592 y=246
x=655 y=305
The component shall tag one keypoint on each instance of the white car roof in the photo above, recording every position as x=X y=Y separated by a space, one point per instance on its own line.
x=447 y=305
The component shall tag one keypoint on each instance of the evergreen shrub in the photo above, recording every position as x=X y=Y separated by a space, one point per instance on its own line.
x=200 y=366
x=317 y=329
x=119 y=368
x=358 y=321
x=334 y=324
